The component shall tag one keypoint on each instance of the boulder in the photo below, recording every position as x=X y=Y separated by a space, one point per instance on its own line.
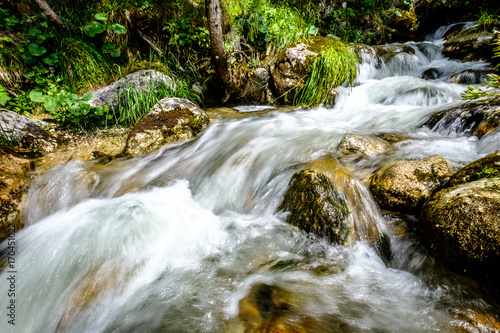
x=293 y=66
x=170 y=120
x=363 y=144
x=461 y=226
x=405 y=185
x=316 y=206
x=140 y=80
x=470 y=44
x=24 y=133
x=486 y=167
x=478 y=117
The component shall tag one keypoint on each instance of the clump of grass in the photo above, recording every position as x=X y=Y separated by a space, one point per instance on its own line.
x=84 y=67
x=337 y=64
x=11 y=65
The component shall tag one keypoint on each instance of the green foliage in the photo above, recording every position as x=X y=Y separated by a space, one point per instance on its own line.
x=488 y=21
x=337 y=64
x=64 y=106
x=4 y=96
x=261 y=22
x=185 y=38
x=493 y=88
x=487 y=172
x=7 y=21
x=99 y=28
x=341 y=25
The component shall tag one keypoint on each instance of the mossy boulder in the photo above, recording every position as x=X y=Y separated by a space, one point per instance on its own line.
x=316 y=206
x=479 y=118
x=461 y=226
x=486 y=167
x=170 y=120
x=363 y=145
x=293 y=67
x=405 y=185
x=470 y=44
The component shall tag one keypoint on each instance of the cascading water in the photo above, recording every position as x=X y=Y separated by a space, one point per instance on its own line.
x=171 y=242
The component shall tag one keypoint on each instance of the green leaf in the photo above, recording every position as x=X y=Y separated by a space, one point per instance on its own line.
x=93 y=28
x=73 y=98
x=117 y=28
x=51 y=104
x=101 y=16
x=29 y=74
x=10 y=21
x=86 y=97
x=313 y=30
x=6 y=39
x=45 y=25
x=108 y=47
x=85 y=107
x=34 y=32
x=74 y=109
x=27 y=58
x=51 y=60
x=36 y=50
x=115 y=53
x=4 y=99
x=36 y=95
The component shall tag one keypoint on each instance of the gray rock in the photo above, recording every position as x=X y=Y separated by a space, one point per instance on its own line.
x=170 y=120
x=470 y=44
x=406 y=185
x=140 y=80
x=23 y=132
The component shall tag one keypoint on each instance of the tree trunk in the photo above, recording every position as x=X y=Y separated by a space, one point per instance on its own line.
x=214 y=17
x=44 y=6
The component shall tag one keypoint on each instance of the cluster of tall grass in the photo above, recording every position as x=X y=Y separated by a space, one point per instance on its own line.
x=336 y=64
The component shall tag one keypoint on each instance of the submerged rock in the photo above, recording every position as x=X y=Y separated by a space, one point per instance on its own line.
x=406 y=185
x=24 y=133
x=479 y=118
x=461 y=225
x=363 y=144
x=316 y=206
x=170 y=120
x=113 y=94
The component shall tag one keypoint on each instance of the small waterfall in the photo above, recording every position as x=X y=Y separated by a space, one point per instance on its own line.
x=173 y=241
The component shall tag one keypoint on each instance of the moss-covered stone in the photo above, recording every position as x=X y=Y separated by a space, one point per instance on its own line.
x=170 y=120
x=486 y=167
x=406 y=185
x=461 y=225
x=316 y=206
x=470 y=45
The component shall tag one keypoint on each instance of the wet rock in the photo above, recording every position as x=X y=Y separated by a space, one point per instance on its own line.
x=363 y=144
x=470 y=77
x=293 y=66
x=473 y=321
x=316 y=206
x=14 y=179
x=257 y=87
x=406 y=185
x=431 y=74
x=141 y=80
x=24 y=133
x=470 y=45
x=486 y=167
x=461 y=225
x=389 y=51
x=478 y=117
x=170 y=120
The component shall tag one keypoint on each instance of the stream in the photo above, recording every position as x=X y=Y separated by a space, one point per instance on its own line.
x=173 y=241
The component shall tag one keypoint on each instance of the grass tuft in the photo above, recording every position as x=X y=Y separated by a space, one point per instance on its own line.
x=337 y=64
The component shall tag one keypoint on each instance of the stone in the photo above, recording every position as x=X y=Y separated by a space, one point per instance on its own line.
x=405 y=185
x=292 y=67
x=24 y=133
x=363 y=144
x=140 y=80
x=478 y=117
x=170 y=120
x=470 y=45
x=461 y=226
x=486 y=167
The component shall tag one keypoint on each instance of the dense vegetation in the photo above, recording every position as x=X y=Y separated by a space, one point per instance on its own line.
x=48 y=68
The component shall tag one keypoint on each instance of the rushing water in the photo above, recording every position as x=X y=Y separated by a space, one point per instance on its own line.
x=172 y=241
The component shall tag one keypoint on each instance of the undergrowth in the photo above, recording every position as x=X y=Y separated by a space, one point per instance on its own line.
x=336 y=64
